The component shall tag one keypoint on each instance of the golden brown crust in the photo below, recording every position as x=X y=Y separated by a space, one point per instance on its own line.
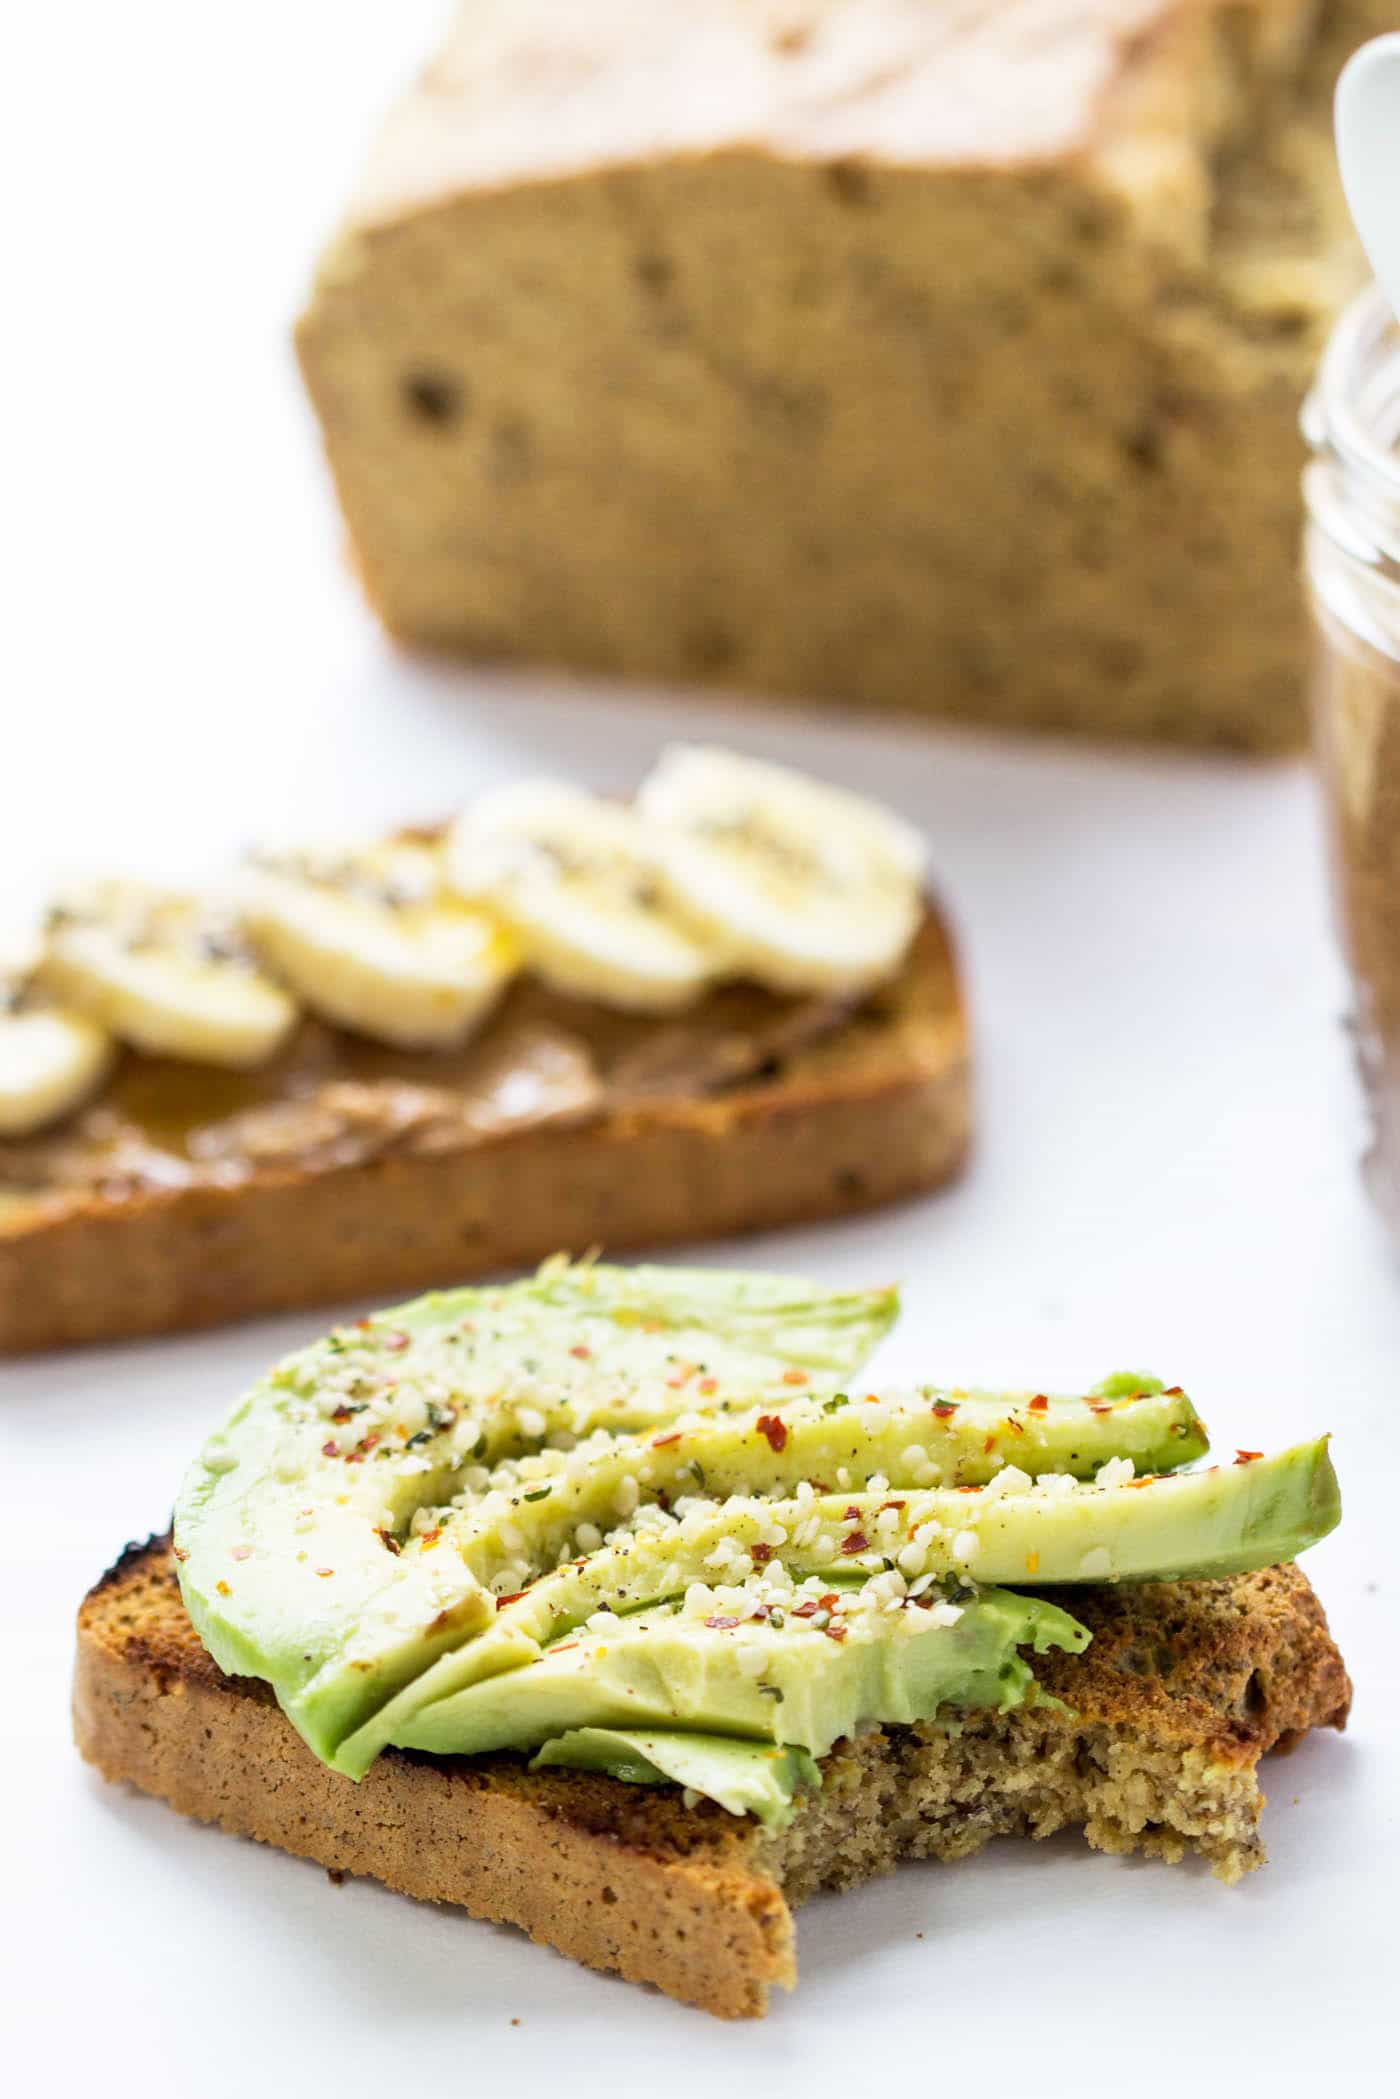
x=865 y=1117
x=693 y=1900
x=1230 y=1668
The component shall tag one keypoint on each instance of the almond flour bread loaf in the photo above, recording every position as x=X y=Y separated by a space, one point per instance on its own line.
x=941 y=357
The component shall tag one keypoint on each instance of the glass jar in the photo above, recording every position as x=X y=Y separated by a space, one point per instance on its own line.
x=1352 y=488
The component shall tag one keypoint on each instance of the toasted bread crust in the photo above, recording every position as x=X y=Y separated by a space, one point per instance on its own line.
x=834 y=1131
x=695 y=1901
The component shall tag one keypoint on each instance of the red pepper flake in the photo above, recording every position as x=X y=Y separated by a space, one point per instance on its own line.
x=945 y=1409
x=1173 y=1392
x=502 y=1601
x=1017 y=1428
x=242 y=1552
x=1040 y=1404
x=331 y=1449
x=760 y=1553
x=774 y=1429
x=581 y=1350
x=223 y=1588
x=835 y=1632
x=1146 y=1479
x=660 y=1442
x=889 y=1505
x=852 y=1512
x=991 y=1443
x=181 y=1552
x=427 y=1538
x=397 y=1342
x=389 y=1542
x=709 y=1385
x=681 y=1377
x=855 y=1541
x=1097 y=1406
x=794 y=1377
x=721 y=1624
x=325 y=1572
x=563 y=1647
x=829 y=1601
x=342 y=1413
x=1247 y=1457
x=361 y=1324
x=808 y=1609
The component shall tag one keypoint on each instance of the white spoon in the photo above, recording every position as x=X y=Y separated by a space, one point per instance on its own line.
x=1368 y=150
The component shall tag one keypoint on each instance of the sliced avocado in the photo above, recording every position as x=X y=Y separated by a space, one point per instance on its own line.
x=799 y=1683
x=293 y=1529
x=643 y=1569
x=749 y=1778
x=1185 y=1526
x=1192 y=1524
x=783 y=1320
x=907 y=1439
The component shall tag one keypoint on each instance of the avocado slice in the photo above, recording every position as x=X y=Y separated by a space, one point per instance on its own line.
x=749 y=1778
x=1190 y=1524
x=1183 y=1526
x=906 y=1439
x=803 y=1682
x=525 y=1527
x=294 y=1532
x=352 y=1534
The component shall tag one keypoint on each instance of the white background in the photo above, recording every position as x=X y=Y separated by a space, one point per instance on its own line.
x=1166 y=1178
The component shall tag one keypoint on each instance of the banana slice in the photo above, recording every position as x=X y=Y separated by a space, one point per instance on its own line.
x=576 y=879
x=367 y=940
x=165 y=972
x=804 y=886
x=49 y=1064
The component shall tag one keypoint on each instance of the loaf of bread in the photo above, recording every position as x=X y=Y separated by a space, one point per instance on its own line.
x=940 y=357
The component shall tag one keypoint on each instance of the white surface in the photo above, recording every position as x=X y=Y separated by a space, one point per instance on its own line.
x=1368 y=149
x=1166 y=1178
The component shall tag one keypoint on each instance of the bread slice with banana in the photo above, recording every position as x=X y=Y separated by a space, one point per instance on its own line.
x=727 y=1005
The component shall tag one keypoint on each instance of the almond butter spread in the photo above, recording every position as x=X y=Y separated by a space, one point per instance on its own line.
x=331 y=1099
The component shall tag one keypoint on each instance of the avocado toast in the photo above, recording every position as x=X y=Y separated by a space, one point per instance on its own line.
x=638 y=1618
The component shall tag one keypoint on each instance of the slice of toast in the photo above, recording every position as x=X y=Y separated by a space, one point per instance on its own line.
x=750 y=1113
x=1163 y=1721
